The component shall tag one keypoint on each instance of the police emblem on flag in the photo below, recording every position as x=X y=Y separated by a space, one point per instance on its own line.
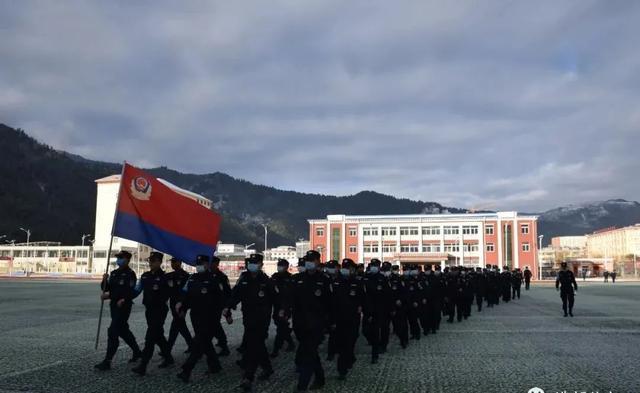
x=141 y=188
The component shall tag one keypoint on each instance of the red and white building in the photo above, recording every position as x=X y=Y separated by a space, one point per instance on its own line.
x=474 y=240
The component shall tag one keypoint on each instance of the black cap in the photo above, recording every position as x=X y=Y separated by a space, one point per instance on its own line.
x=395 y=267
x=312 y=256
x=215 y=259
x=283 y=262
x=155 y=255
x=255 y=258
x=386 y=266
x=375 y=262
x=332 y=264
x=563 y=264
x=428 y=267
x=202 y=259
x=301 y=261
x=360 y=266
x=174 y=259
x=348 y=263
x=123 y=254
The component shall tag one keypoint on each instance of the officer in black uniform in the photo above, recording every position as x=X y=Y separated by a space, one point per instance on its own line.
x=414 y=300
x=516 y=283
x=282 y=280
x=400 y=305
x=527 y=278
x=331 y=271
x=455 y=295
x=438 y=288
x=176 y=280
x=257 y=294
x=118 y=287
x=377 y=309
x=566 y=284
x=349 y=299
x=467 y=291
x=218 y=331
x=153 y=285
x=479 y=282
x=505 y=282
x=311 y=307
x=202 y=294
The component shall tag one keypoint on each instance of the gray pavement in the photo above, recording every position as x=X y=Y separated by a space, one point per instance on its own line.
x=48 y=331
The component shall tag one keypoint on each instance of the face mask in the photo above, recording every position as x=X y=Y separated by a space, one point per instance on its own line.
x=463 y=273
x=121 y=262
x=301 y=269
x=200 y=268
x=414 y=272
x=331 y=271
x=428 y=272
x=345 y=272
x=406 y=273
x=437 y=272
x=386 y=274
x=282 y=269
x=374 y=269
x=253 y=267
x=311 y=266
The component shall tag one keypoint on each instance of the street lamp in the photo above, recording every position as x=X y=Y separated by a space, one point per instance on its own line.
x=28 y=232
x=539 y=261
x=246 y=246
x=86 y=235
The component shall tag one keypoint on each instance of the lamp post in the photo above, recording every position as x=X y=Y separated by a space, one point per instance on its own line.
x=86 y=235
x=539 y=261
x=266 y=232
x=28 y=232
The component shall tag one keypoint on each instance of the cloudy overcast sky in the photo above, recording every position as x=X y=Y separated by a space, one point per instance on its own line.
x=492 y=104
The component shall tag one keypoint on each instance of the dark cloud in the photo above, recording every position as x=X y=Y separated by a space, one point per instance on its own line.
x=508 y=105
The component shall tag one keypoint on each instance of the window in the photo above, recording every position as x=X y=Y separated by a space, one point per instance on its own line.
x=53 y=254
x=469 y=230
x=352 y=249
x=388 y=231
x=388 y=248
x=406 y=231
x=353 y=232
x=451 y=248
x=525 y=247
x=488 y=230
x=431 y=248
x=490 y=247
x=409 y=248
x=319 y=231
x=370 y=248
x=370 y=231
x=451 y=230
x=470 y=247
x=525 y=229
x=100 y=254
x=431 y=230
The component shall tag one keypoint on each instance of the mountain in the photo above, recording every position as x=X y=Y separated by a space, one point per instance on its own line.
x=53 y=194
x=587 y=218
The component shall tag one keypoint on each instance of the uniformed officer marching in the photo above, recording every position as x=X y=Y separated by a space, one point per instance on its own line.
x=118 y=288
x=400 y=304
x=176 y=280
x=257 y=294
x=414 y=298
x=218 y=331
x=283 y=280
x=566 y=284
x=516 y=283
x=349 y=298
x=377 y=308
x=153 y=285
x=527 y=278
x=311 y=308
x=202 y=294
x=331 y=271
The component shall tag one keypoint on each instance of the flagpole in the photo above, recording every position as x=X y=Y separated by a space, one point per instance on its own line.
x=106 y=270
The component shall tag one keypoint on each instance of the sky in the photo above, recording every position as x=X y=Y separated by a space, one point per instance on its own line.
x=479 y=104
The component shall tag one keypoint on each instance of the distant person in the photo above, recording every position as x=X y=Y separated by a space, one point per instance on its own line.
x=527 y=278
x=584 y=275
x=516 y=283
x=606 y=276
x=613 y=276
x=118 y=287
x=566 y=284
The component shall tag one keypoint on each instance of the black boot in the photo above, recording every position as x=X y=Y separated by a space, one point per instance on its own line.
x=166 y=362
x=140 y=369
x=136 y=356
x=184 y=376
x=103 y=365
x=266 y=374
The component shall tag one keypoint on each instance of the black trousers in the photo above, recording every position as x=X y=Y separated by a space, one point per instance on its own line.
x=515 y=292
x=425 y=318
x=346 y=335
x=412 y=318
x=155 y=317
x=203 y=327
x=178 y=325
x=218 y=330
x=456 y=306
x=401 y=326
x=479 y=301
x=283 y=333
x=307 y=358
x=378 y=332
x=567 y=297
x=119 y=328
x=255 y=353
x=527 y=283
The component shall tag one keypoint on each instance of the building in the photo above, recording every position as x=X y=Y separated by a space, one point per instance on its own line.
x=502 y=238
x=577 y=243
x=282 y=252
x=229 y=250
x=616 y=243
x=49 y=257
x=302 y=246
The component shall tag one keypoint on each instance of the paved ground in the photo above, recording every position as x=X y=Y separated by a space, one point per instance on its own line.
x=48 y=332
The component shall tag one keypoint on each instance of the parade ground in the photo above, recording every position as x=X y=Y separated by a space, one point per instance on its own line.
x=48 y=331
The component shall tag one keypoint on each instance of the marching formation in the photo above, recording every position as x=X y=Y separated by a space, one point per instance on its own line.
x=333 y=302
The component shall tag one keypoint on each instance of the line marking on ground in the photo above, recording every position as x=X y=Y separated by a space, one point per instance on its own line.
x=16 y=373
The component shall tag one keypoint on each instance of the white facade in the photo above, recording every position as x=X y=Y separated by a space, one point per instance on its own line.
x=302 y=246
x=282 y=252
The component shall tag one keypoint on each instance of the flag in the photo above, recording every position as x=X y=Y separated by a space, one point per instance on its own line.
x=151 y=213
